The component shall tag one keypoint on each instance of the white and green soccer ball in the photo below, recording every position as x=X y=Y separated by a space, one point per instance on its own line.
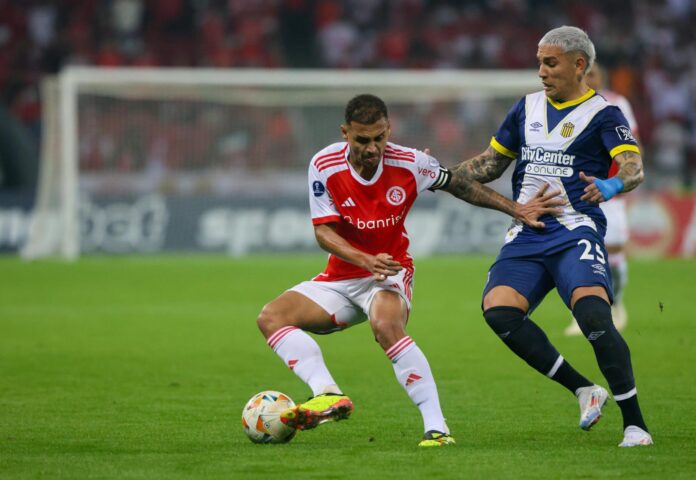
x=261 y=418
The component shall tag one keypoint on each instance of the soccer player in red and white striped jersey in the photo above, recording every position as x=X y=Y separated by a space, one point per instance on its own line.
x=361 y=190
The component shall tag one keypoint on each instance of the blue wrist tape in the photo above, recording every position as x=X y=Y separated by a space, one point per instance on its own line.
x=610 y=187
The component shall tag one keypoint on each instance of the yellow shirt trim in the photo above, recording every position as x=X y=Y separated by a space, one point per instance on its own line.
x=623 y=148
x=500 y=148
x=571 y=103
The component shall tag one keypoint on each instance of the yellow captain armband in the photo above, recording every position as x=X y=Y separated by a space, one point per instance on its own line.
x=500 y=148
x=624 y=148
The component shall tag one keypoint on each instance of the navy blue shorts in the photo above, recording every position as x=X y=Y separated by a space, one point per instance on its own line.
x=535 y=270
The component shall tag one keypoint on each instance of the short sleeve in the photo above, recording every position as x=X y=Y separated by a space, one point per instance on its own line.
x=616 y=133
x=430 y=175
x=507 y=139
x=321 y=205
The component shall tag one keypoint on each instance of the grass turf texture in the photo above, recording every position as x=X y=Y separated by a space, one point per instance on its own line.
x=139 y=368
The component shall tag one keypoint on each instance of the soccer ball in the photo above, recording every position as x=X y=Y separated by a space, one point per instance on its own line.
x=261 y=418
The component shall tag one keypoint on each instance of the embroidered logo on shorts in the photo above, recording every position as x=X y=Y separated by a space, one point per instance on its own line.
x=599 y=269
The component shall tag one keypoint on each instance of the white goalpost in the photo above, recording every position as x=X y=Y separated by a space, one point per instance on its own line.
x=129 y=156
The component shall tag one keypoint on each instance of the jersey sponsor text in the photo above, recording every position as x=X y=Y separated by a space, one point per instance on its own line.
x=548 y=170
x=540 y=155
x=360 y=224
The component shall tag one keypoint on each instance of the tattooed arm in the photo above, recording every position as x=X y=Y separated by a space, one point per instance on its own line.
x=484 y=167
x=630 y=169
x=466 y=179
x=466 y=188
x=629 y=177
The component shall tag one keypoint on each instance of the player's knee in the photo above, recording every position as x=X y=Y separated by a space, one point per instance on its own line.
x=504 y=320
x=504 y=296
x=387 y=333
x=593 y=314
x=270 y=319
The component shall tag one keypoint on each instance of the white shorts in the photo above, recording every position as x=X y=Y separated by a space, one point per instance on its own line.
x=348 y=301
x=617 y=221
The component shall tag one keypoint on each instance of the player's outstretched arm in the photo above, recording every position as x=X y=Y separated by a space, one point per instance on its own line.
x=471 y=191
x=486 y=166
x=381 y=265
x=630 y=175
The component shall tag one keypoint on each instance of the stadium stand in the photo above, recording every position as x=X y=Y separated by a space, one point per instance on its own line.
x=647 y=46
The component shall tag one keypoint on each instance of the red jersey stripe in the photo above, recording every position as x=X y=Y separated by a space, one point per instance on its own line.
x=391 y=156
x=327 y=219
x=326 y=165
x=341 y=153
x=399 y=152
x=343 y=150
x=396 y=150
x=330 y=156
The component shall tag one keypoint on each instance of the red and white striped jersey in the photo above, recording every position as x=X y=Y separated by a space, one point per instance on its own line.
x=369 y=214
x=625 y=107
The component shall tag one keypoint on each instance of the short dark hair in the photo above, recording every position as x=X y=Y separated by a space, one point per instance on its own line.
x=365 y=109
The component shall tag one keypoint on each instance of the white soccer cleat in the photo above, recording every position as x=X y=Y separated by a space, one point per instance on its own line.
x=636 y=437
x=573 y=330
x=619 y=315
x=591 y=400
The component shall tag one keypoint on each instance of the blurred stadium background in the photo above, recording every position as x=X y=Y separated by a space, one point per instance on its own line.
x=135 y=361
x=201 y=170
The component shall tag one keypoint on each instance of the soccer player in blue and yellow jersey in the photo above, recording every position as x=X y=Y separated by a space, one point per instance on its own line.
x=566 y=136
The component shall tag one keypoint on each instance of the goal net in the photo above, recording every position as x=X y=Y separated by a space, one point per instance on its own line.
x=153 y=160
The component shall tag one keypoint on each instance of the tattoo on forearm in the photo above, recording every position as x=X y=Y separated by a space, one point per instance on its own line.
x=630 y=169
x=485 y=167
x=470 y=190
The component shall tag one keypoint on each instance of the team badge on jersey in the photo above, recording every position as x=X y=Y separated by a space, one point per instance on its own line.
x=625 y=134
x=567 y=129
x=318 y=188
x=396 y=195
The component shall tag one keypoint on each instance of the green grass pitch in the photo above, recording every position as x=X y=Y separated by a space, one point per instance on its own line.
x=138 y=368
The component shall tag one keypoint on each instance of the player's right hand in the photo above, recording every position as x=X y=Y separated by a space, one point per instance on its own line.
x=541 y=204
x=382 y=266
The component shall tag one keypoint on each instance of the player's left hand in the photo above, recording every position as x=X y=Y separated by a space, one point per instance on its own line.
x=598 y=190
x=541 y=204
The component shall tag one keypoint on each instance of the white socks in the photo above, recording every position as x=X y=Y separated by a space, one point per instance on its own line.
x=302 y=355
x=413 y=373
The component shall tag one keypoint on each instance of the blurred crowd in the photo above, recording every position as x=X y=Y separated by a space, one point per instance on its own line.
x=648 y=46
